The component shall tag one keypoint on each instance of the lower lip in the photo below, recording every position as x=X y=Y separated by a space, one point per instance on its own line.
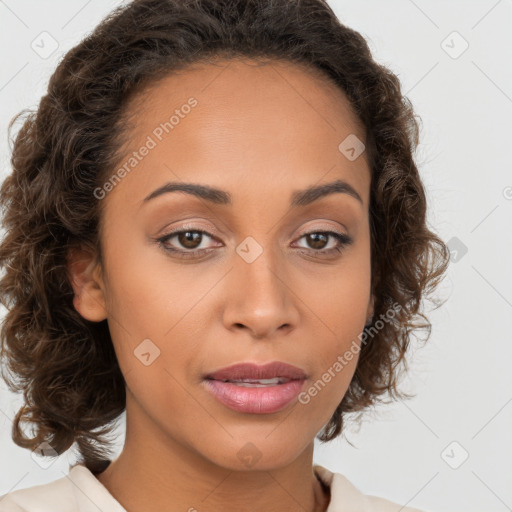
x=255 y=400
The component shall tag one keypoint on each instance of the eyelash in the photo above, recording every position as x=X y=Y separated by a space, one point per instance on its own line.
x=343 y=240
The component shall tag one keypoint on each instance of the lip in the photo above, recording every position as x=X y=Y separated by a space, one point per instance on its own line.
x=254 y=371
x=256 y=400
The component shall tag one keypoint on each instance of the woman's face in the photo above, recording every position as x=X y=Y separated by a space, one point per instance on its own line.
x=261 y=283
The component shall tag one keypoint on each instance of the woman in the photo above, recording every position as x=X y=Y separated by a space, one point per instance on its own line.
x=215 y=222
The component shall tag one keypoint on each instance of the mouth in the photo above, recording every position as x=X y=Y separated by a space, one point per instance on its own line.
x=256 y=383
x=256 y=389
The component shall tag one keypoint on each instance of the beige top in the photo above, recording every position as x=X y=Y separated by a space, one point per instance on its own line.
x=81 y=491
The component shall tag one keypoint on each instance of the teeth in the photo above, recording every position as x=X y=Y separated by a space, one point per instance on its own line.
x=257 y=382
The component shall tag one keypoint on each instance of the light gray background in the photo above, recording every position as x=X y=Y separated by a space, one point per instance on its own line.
x=462 y=377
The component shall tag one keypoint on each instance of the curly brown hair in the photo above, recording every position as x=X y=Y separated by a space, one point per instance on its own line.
x=66 y=366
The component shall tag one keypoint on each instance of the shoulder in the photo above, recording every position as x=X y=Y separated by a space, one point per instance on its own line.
x=79 y=490
x=56 y=496
x=345 y=496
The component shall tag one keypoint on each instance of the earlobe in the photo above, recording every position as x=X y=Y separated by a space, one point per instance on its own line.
x=85 y=278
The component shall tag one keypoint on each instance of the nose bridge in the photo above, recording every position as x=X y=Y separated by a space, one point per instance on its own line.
x=260 y=298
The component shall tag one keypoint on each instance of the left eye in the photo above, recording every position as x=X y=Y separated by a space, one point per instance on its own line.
x=320 y=237
x=191 y=239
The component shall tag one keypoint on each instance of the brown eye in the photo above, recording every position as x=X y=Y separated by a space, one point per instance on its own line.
x=318 y=240
x=189 y=239
x=186 y=242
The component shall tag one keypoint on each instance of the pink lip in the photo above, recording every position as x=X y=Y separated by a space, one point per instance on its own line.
x=256 y=400
x=255 y=371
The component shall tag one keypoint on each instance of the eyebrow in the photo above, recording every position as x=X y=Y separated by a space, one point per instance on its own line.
x=221 y=197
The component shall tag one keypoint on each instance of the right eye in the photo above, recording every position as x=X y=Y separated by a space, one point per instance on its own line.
x=190 y=240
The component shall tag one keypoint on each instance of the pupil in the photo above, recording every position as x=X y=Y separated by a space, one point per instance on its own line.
x=187 y=239
x=316 y=237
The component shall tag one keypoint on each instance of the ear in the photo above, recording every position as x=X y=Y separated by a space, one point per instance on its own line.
x=84 y=273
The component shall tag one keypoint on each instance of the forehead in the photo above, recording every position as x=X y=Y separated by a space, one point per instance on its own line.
x=254 y=125
x=247 y=87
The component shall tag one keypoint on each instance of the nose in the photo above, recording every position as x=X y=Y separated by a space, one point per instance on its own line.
x=260 y=297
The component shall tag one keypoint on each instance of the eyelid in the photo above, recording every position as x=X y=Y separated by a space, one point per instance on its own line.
x=192 y=226
x=313 y=229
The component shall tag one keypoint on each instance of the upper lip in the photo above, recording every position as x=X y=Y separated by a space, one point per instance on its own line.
x=255 y=371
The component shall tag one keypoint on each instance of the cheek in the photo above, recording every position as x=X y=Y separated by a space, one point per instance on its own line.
x=340 y=304
x=338 y=299
x=156 y=315
x=337 y=342
x=148 y=293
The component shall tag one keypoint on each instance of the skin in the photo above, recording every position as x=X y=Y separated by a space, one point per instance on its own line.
x=259 y=132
